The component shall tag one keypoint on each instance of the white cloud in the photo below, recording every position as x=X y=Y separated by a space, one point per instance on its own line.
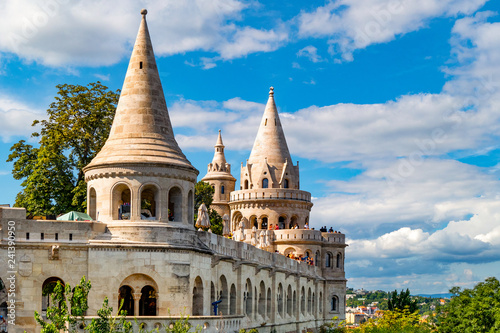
x=310 y=52
x=355 y=24
x=16 y=118
x=94 y=33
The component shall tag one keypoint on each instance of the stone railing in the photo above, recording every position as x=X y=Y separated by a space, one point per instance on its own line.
x=270 y=194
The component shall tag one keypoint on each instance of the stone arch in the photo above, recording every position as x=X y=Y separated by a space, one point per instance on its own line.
x=247 y=297
x=197 y=307
x=339 y=260
x=92 y=205
x=252 y=222
x=265 y=183
x=289 y=251
x=317 y=260
x=223 y=295
x=121 y=201
x=328 y=260
x=334 y=304
x=279 y=300
x=264 y=222
x=246 y=184
x=145 y=293
x=308 y=253
x=125 y=295
x=212 y=296
x=321 y=303
x=232 y=300
x=294 y=302
x=237 y=217
x=289 y=301
x=286 y=183
x=314 y=303
x=190 y=201
x=150 y=202
x=175 y=204
x=302 y=301
x=48 y=287
x=262 y=300
x=294 y=221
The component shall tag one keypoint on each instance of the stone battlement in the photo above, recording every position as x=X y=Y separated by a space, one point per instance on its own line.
x=270 y=194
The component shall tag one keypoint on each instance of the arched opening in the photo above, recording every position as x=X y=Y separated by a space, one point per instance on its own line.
x=286 y=183
x=321 y=304
x=268 y=305
x=232 y=300
x=264 y=223
x=309 y=301
x=248 y=298
x=265 y=183
x=253 y=222
x=223 y=295
x=289 y=252
x=198 y=297
x=48 y=287
x=279 y=300
x=289 y=301
x=313 y=304
x=237 y=217
x=92 y=207
x=246 y=184
x=121 y=200
x=175 y=204
x=294 y=302
x=212 y=297
x=317 y=258
x=222 y=189
x=190 y=207
x=302 y=301
x=293 y=222
x=149 y=200
x=262 y=300
x=281 y=222
x=147 y=303
x=125 y=296
x=339 y=260
x=328 y=259
x=334 y=304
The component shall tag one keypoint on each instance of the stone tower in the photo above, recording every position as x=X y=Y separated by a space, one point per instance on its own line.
x=141 y=177
x=270 y=188
x=220 y=178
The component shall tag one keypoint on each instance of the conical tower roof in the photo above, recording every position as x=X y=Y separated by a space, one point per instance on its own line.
x=219 y=156
x=141 y=132
x=270 y=142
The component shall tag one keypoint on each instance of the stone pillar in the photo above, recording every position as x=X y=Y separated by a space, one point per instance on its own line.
x=137 y=298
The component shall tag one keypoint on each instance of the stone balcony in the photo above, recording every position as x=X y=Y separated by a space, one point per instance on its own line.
x=270 y=194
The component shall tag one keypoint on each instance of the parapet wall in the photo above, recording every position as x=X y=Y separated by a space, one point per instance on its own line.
x=271 y=194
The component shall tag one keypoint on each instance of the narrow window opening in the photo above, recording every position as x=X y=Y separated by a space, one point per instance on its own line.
x=265 y=124
x=140 y=65
x=27 y=236
x=57 y=236
x=70 y=237
x=42 y=236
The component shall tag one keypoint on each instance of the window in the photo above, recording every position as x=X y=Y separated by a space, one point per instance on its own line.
x=265 y=183
x=42 y=236
x=328 y=260
x=222 y=189
x=140 y=65
x=246 y=184
x=334 y=304
x=57 y=236
x=286 y=183
x=70 y=237
x=27 y=236
x=339 y=260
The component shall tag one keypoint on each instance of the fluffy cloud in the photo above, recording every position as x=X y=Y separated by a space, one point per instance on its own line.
x=355 y=24
x=94 y=33
x=16 y=118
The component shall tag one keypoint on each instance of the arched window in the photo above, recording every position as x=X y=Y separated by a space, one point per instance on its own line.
x=309 y=301
x=147 y=303
x=125 y=295
x=247 y=297
x=246 y=184
x=92 y=203
x=222 y=189
x=289 y=301
x=262 y=300
x=212 y=296
x=175 y=204
x=279 y=300
x=294 y=302
x=149 y=203
x=268 y=305
x=321 y=304
x=265 y=183
x=316 y=259
x=281 y=222
x=286 y=183
x=314 y=304
x=198 y=297
x=339 y=260
x=264 y=223
x=223 y=295
x=334 y=304
x=293 y=222
x=328 y=259
x=121 y=202
x=232 y=300
x=302 y=301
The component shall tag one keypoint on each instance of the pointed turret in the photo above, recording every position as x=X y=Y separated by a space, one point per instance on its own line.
x=141 y=131
x=270 y=142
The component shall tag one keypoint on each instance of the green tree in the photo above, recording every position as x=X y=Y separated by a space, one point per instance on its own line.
x=402 y=301
x=76 y=128
x=204 y=193
x=474 y=310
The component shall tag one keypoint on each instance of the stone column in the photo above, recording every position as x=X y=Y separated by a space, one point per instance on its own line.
x=137 y=298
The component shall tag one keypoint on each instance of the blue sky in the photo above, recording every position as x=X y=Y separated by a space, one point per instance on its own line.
x=392 y=108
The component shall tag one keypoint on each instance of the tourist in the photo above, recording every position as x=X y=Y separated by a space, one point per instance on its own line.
x=330 y=230
x=306 y=226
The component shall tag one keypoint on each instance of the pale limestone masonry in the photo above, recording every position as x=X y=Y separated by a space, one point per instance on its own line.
x=142 y=247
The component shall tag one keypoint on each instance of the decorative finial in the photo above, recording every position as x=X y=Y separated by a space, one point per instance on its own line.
x=144 y=12
x=271 y=91
x=219 y=131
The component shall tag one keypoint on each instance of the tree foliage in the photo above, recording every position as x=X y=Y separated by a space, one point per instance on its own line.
x=474 y=310
x=402 y=301
x=76 y=128
x=204 y=193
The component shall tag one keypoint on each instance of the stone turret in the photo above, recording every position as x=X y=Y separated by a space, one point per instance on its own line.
x=220 y=178
x=141 y=175
x=270 y=192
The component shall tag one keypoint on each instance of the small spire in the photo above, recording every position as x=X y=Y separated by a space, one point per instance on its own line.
x=144 y=12
x=271 y=91
x=219 y=140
